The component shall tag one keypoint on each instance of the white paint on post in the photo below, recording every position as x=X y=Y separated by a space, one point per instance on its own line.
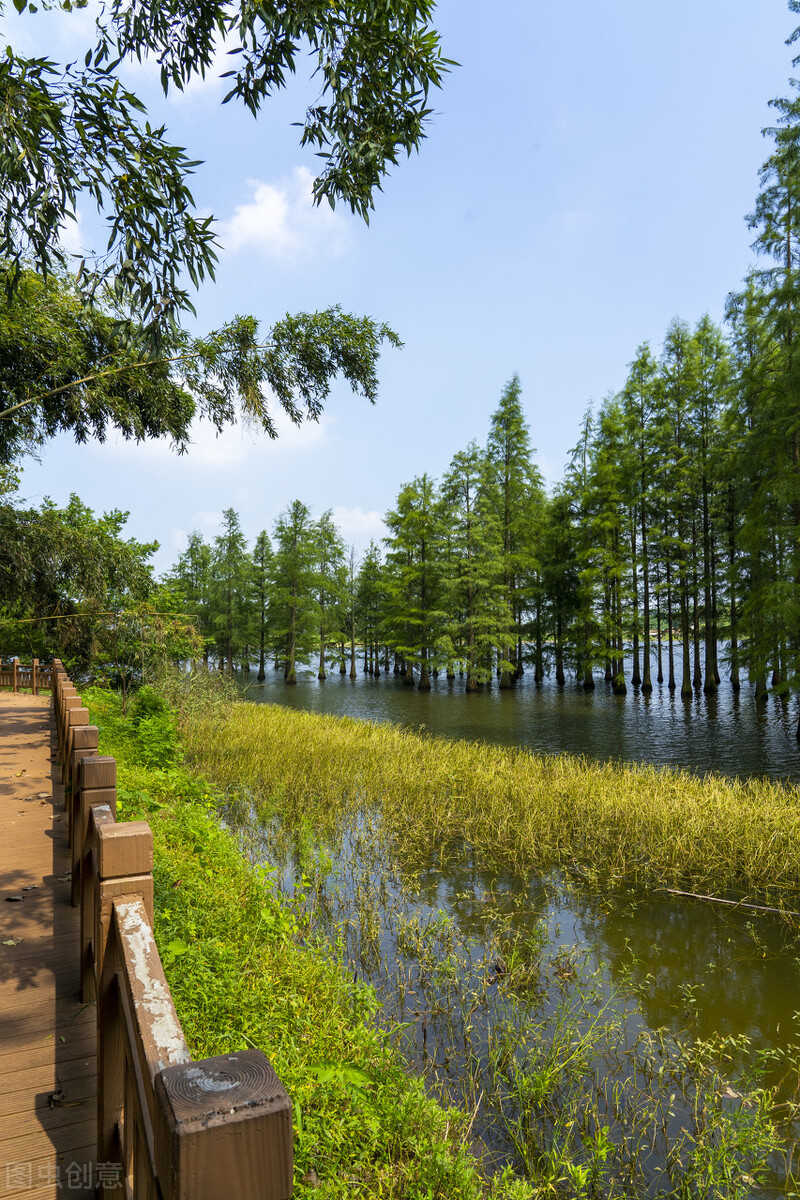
x=155 y=995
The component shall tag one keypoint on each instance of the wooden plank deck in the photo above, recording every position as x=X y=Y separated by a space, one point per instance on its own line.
x=47 y=1039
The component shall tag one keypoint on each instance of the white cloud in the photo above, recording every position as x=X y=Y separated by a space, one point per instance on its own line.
x=298 y=437
x=358 y=526
x=71 y=236
x=237 y=447
x=207 y=523
x=55 y=33
x=281 y=220
x=178 y=539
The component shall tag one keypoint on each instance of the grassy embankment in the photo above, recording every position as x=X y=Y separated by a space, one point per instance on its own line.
x=244 y=969
x=516 y=811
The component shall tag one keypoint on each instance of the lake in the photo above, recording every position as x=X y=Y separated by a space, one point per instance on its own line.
x=429 y=944
x=728 y=733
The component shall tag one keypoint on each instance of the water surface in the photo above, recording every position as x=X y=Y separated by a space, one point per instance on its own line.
x=728 y=733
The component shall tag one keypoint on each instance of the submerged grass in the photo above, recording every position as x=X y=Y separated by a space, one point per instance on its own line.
x=517 y=811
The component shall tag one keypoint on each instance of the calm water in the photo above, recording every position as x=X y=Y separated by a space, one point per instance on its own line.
x=726 y=733
x=699 y=969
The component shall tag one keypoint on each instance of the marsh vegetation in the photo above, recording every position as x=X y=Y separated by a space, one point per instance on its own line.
x=507 y=911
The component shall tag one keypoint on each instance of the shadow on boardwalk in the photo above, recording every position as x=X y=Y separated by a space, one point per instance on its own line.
x=47 y=1038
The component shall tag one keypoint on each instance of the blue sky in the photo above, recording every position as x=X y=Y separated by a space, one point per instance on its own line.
x=585 y=179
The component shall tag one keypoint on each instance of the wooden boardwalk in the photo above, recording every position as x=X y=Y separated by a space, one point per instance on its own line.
x=48 y=1119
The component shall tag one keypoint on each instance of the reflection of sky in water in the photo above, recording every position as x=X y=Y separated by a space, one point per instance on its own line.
x=725 y=733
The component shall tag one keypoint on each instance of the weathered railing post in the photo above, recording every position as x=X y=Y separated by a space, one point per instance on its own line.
x=118 y=861
x=68 y=698
x=124 y=861
x=15 y=669
x=35 y=677
x=223 y=1127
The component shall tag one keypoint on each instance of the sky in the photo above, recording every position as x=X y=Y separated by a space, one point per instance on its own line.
x=586 y=178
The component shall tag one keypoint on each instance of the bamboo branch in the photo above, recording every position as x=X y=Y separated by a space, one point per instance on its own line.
x=784 y=912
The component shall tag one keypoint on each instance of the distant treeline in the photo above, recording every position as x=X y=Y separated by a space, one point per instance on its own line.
x=674 y=529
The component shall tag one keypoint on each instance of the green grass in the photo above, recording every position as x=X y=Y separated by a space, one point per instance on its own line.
x=518 y=812
x=245 y=970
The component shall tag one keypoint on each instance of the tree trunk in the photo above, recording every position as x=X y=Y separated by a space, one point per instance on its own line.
x=636 y=678
x=424 y=684
x=697 y=677
x=647 y=683
x=683 y=588
x=538 y=665
x=290 y=675
x=670 y=639
x=560 y=677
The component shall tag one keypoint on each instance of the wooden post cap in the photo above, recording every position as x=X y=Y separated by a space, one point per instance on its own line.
x=225 y=1129
x=99 y=771
x=124 y=849
x=85 y=737
x=78 y=716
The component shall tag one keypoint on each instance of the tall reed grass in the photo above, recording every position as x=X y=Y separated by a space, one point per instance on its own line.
x=517 y=811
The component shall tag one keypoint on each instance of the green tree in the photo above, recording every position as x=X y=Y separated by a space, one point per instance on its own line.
x=73 y=131
x=191 y=578
x=679 y=382
x=63 y=367
x=639 y=401
x=774 y=438
x=66 y=578
x=560 y=576
x=261 y=581
x=331 y=584
x=587 y=635
x=371 y=600
x=712 y=377
x=414 y=578
x=516 y=491
x=231 y=568
x=609 y=529
x=478 y=621
x=294 y=609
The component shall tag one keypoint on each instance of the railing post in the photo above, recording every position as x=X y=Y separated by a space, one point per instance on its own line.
x=15 y=668
x=223 y=1127
x=95 y=783
x=35 y=677
x=124 y=870
x=68 y=699
x=118 y=862
x=85 y=744
x=75 y=717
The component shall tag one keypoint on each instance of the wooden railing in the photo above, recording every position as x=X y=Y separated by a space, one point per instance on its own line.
x=174 y=1129
x=29 y=676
